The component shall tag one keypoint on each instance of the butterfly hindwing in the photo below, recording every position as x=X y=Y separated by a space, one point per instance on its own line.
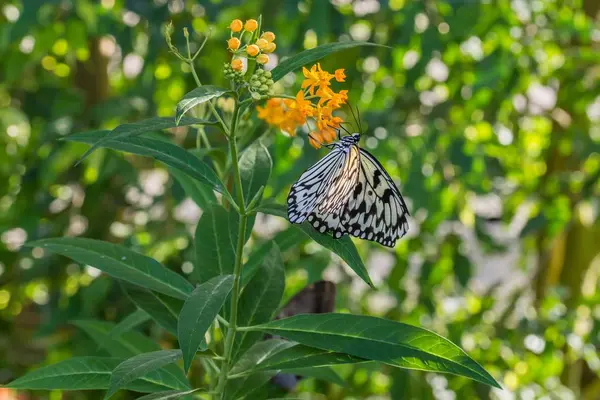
x=375 y=210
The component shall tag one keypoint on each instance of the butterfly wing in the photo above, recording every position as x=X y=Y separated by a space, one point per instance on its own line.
x=327 y=216
x=375 y=210
x=309 y=189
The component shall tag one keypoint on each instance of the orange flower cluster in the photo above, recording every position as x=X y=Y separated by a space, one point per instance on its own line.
x=288 y=114
x=259 y=49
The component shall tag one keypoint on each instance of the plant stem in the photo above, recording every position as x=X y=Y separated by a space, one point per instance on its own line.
x=237 y=270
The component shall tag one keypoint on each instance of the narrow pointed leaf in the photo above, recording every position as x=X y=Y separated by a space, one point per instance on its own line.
x=255 y=169
x=197 y=96
x=310 y=56
x=391 y=342
x=202 y=195
x=284 y=240
x=133 y=320
x=82 y=373
x=260 y=298
x=259 y=353
x=140 y=127
x=130 y=344
x=300 y=356
x=164 y=314
x=216 y=242
x=167 y=395
x=120 y=262
x=343 y=246
x=138 y=366
x=321 y=373
x=198 y=313
x=168 y=153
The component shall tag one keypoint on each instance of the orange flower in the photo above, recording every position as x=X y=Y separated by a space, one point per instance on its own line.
x=252 y=50
x=237 y=64
x=282 y=113
x=234 y=43
x=314 y=142
x=262 y=59
x=236 y=25
x=270 y=47
x=325 y=93
x=262 y=43
x=268 y=36
x=316 y=100
x=338 y=99
x=251 y=25
x=305 y=107
x=315 y=77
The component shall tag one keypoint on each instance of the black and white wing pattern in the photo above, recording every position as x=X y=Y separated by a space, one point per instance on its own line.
x=315 y=185
x=375 y=210
x=349 y=192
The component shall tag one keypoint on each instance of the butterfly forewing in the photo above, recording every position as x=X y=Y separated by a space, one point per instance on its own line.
x=342 y=184
x=306 y=193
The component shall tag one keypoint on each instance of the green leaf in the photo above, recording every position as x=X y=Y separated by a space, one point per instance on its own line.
x=285 y=240
x=197 y=96
x=198 y=313
x=138 y=366
x=134 y=319
x=120 y=262
x=165 y=314
x=310 y=56
x=130 y=344
x=216 y=242
x=202 y=195
x=260 y=298
x=167 y=395
x=259 y=353
x=256 y=354
x=168 y=153
x=139 y=127
x=81 y=373
x=255 y=169
x=343 y=246
x=321 y=373
x=390 y=342
x=299 y=356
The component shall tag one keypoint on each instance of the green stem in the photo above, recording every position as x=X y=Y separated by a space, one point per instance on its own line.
x=237 y=270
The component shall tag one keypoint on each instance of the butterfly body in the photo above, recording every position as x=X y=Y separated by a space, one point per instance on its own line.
x=349 y=192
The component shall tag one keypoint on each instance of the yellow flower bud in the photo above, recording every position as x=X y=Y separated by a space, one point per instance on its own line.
x=236 y=25
x=234 y=43
x=237 y=64
x=262 y=44
x=252 y=50
x=270 y=47
x=268 y=36
x=251 y=25
x=262 y=59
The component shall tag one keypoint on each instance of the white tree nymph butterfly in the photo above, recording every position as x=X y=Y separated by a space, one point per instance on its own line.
x=349 y=192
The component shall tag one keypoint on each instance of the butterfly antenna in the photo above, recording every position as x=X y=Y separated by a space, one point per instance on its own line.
x=359 y=123
x=354 y=115
x=346 y=130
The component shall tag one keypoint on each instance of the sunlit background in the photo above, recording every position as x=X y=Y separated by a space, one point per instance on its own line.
x=487 y=112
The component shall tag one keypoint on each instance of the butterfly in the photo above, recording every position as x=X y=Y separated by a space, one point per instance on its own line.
x=349 y=192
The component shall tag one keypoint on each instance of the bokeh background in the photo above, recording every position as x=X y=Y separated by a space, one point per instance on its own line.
x=487 y=112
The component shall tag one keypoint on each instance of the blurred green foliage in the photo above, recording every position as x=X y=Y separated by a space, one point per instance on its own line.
x=487 y=111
